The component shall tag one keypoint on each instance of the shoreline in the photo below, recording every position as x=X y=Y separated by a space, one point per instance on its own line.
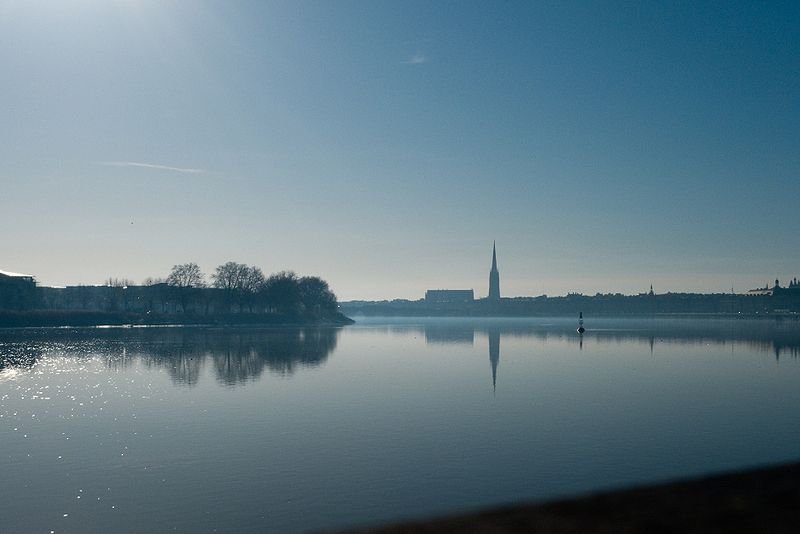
x=762 y=499
x=654 y=315
x=95 y=319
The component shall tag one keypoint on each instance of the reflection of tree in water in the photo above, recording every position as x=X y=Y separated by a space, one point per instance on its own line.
x=185 y=368
x=183 y=362
x=242 y=354
x=786 y=350
x=238 y=361
x=245 y=355
x=174 y=350
x=237 y=356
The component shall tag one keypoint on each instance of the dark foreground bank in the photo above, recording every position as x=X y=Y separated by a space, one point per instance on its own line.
x=761 y=500
x=58 y=318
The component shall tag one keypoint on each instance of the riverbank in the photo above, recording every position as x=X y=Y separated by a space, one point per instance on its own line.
x=61 y=318
x=779 y=302
x=759 y=500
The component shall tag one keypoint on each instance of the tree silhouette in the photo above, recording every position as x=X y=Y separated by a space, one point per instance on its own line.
x=186 y=275
x=282 y=292
x=253 y=284
x=231 y=277
x=316 y=296
x=185 y=278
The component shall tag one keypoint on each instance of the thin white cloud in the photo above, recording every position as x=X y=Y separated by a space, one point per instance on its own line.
x=416 y=59
x=152 y=166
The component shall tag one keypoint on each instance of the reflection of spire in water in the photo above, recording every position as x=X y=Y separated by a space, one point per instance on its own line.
x=494 y=354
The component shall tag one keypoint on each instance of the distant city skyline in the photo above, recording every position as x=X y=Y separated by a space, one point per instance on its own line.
x=449 y=293
x=383 y=146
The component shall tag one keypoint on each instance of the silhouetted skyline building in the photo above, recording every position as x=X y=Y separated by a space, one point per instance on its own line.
x=17 y=291
x=449 y=295
x=494 y=277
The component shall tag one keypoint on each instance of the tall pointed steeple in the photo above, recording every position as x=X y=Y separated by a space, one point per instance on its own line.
x=494 y=276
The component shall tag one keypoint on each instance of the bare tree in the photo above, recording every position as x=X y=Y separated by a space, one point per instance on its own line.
x=253 y=282
x=316 y=295
x=186 y=278
x=118 y=282
x=186 y=275
x=231 y=278
x=282 y=293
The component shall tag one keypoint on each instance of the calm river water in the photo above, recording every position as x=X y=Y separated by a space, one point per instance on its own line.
x=284 y=430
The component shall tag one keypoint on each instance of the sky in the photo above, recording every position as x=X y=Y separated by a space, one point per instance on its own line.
x=384 y=146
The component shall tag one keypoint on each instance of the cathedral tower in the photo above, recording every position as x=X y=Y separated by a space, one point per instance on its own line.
x=494 y=277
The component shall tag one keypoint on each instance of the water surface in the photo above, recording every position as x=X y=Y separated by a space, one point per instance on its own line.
x=192 y=429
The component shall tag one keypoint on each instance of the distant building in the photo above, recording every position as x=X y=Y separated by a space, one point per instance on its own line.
x=791 y=289
x=443 y=296
x=759 y=292
x=649 y=293
x=494 y=277
x=8 y=277
x=17 y=291
x=765 y=291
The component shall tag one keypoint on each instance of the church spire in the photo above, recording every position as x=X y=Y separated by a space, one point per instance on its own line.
x=494 y=276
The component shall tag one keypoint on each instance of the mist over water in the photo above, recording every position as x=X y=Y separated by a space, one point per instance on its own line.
x=195 y=429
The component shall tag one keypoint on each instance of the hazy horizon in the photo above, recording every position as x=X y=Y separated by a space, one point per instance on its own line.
x=383 y=146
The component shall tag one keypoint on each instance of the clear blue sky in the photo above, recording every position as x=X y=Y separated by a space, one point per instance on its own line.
x=384 y=145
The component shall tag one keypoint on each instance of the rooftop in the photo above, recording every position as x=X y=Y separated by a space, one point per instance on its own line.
x=15 y=275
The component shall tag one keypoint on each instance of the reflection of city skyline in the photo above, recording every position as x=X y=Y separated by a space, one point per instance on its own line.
x=777 y=338
x=235 y=356
x=436 y=334
x=765 y=336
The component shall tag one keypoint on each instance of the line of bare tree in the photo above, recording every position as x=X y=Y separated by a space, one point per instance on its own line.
x=241 y=287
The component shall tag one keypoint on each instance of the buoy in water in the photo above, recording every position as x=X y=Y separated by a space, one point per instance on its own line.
x=581 y=329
